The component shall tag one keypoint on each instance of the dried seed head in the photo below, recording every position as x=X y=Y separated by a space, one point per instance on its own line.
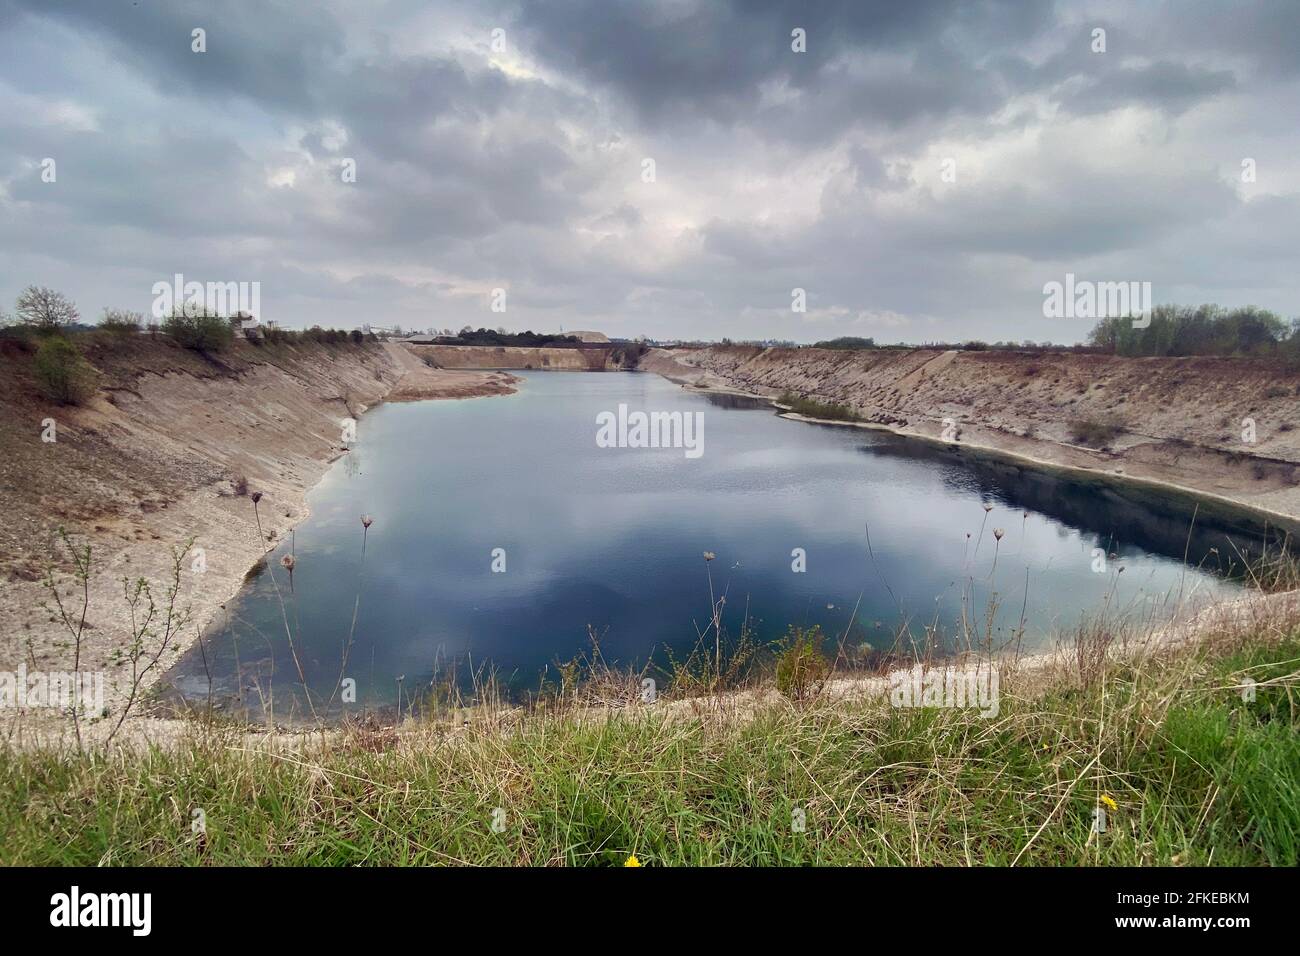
x=987 y=508
x=366 y=521
x=709 y=555
x=997 y=533
x=288 y=562
x=256 y=496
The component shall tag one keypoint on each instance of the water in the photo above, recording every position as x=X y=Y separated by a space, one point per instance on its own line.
x=612 y=539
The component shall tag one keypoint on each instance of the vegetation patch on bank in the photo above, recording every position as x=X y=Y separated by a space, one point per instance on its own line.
x=811 y=408
x=1188 y=756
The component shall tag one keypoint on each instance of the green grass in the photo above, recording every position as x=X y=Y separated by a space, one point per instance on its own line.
x=1198 y=776
x=812 y=408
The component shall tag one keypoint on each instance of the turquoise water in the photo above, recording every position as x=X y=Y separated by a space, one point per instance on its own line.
x=611 y=540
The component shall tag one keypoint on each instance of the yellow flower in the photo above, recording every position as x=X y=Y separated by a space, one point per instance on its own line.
x=632 y=861
x=1107 y=799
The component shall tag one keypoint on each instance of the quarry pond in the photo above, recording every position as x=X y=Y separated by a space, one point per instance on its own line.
x=504 y=532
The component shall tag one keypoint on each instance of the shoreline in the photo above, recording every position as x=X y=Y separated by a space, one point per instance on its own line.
x=146 y=724
x=400 y=392
x=298 y=416
x=1052 y=647
x=404 y=393
x=1132 y=474
x=1225 y=504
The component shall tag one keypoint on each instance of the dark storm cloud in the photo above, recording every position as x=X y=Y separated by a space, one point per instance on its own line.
x=710 y=61
x=272 y=52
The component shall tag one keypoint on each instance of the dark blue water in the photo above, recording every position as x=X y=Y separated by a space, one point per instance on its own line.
x=612 y=540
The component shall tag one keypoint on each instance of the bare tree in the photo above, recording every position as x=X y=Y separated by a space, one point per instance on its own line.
x=45 y=309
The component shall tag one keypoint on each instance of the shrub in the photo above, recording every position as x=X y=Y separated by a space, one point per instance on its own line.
x=801 y=668
x=121 y=322
x=198 y=329
x=62 y=374
x=812 y=408
x=1094 y=434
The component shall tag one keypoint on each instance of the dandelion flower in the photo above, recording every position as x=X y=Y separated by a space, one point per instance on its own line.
x=1107 y=799
x=632 y=861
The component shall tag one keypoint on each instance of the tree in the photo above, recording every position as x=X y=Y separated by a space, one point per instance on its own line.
x=44 y=309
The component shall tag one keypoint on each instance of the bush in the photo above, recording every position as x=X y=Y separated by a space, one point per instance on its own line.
x=811 y=408
x=199 y=330
x=121 y=322
x=801 y=668
x=1094 y=434
x=62 y=374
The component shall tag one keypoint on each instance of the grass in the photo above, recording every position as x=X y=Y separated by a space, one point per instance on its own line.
x=1191 y=773
x=811 y=408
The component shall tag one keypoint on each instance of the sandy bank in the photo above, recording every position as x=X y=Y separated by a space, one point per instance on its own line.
x=1179 y=422
x=157 y=458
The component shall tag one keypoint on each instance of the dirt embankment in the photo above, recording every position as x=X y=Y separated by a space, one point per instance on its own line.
x=1185 y=422
x=158 y=456
x=516 y=357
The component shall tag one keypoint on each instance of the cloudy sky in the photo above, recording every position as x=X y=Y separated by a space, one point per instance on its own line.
x=516 y=159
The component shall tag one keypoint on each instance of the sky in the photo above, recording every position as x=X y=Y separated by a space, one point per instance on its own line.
x=676 y=169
